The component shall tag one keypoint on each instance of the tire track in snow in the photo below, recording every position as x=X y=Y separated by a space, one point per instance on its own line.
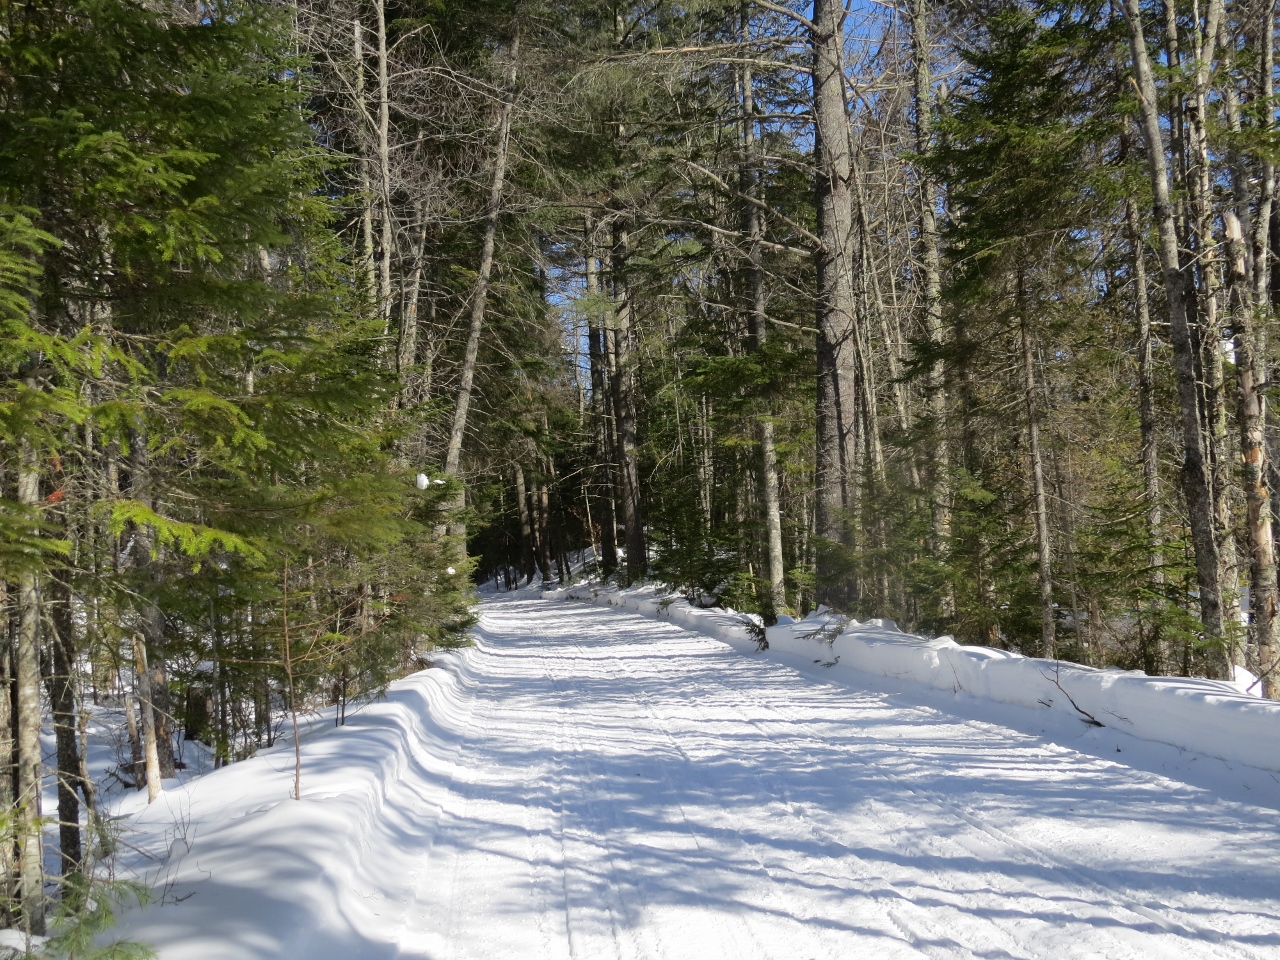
x=561 y=861
x=917 y=930
x=624 y=946
x=916 y=933
x=662 y=748
x=899 y=827
x=1166 y=917
x=454 y=819
x=690 y=829
x=1163 y=916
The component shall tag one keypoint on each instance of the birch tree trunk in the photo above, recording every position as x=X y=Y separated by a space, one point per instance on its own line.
x=407 y=348
x=137 y=767
x=30 y=893
x=366 y=179
x=384 y=171
x=1200 y=180
x=1152 y=658
x=8 y=861
x=480 y=299
x=146 y=709
x=1196 y=481
x=702 y=439
x=1249 y=308
x=1251 y=375
x=1266 y=632
x=1044 y=546
x=151 y=616
x=1247 y=305
x=1223 y=460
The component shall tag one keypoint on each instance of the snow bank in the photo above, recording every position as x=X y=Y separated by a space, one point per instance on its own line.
x=1205 y=716
x=243 y=871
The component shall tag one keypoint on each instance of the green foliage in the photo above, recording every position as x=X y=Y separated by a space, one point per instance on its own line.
x=21 y=245
x=698 y=569
x=82 y=920
x=27 y=542
x=199 y=382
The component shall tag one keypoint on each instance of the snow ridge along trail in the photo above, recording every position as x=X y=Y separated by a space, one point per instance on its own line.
x=587 y=783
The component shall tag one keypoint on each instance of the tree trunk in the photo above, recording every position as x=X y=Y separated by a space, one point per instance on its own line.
x=480 y=299
x=527 y=561
x=543 y=501
x=1196 y=481
x=624 y=410
x=150 y=749
x=836 y=407
x=137 y=767
x=8 y=859
x=62 y=700
x=1248 y=300
x=152 y=618
x=1085 y=637
x=931 y=278
x=776 y=594
x=8 y=862
x=407 y=349
x=601 y=407
x=222 y=736
x=702 y=440
x=1152 y=658
x=384 y=171
x=1201 y=177
x=1251 y=375
x=366 y=179
x=1266 y=635
x=1044 y=547
x=1223 y=460
x=770 y=500
x=30 y=898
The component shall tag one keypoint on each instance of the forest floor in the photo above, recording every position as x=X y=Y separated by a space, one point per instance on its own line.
x=588 y=783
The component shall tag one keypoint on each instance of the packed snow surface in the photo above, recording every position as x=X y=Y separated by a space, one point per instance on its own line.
x=1219 y=719
x=591 y=783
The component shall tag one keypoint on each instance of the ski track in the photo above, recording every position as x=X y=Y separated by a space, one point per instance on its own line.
x=590 y=784
x=627 y=789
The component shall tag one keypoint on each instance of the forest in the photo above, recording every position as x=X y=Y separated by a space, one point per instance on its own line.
x=317 y=315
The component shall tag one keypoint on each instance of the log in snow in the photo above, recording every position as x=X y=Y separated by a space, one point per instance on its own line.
x=590 y=783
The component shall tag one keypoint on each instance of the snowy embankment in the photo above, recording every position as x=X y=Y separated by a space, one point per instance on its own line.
x=1205 y=716
x=240 y=869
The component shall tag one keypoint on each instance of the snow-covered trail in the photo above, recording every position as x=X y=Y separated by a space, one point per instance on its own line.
x=589 y=783
x=624 y=788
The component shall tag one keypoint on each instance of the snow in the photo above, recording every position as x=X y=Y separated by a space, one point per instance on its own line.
x=1215 y=718
x=1245 y=682
x=589 y=783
